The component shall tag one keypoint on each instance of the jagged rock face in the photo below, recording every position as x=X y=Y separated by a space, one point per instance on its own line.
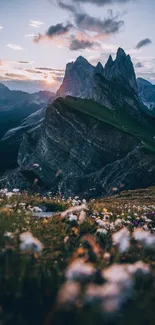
x=74 y=153
x=121 y=70
x=147 y=93
x=81 y=79
x=93 y=157
x=10 y=143
x=78 y=77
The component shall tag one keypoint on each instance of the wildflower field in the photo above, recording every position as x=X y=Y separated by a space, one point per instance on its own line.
x=75 y=261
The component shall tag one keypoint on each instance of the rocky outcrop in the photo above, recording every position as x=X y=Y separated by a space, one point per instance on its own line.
x=121 y=70
x=75 y=154
x=85 y=148
x=10 y=142
x=78 y=79
x=84 y=81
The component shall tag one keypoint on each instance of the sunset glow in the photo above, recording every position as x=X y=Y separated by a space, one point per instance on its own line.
x=49 y=80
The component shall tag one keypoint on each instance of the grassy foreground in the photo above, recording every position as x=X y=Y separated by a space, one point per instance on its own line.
x=91 y=263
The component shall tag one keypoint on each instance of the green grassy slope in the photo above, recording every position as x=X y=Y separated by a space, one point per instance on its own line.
x=118 y=118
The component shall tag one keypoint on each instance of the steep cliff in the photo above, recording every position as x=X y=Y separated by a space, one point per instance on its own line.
x=96 y=143
x=80 y=149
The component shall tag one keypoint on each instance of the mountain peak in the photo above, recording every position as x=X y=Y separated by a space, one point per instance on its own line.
x=99 y=68
x=77 y=79
x=2 y=86
x=109 y=63
x=81 y=60
x=120 y=53
x=121 y=69
x=79 y=75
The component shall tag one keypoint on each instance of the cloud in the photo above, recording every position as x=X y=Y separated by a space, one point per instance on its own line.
x=33 y=71
x=54 y=31
x=37 y=38
x=2 y=62
x=58 y=79
x=139 y=65
x=15 y=47
x=80 y=45
x=24 y=62
x=57 y=30
x=35 y=23
x=143 y=42
x=108 y=25
x=50 y=69
x=1 y=27
x=66 y=6
x=29 y=35
x=71 y=7
x=16 y=76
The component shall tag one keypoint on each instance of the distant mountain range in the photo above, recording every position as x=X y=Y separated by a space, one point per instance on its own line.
x=147 y=94
x=17 y=105
x=96 y=138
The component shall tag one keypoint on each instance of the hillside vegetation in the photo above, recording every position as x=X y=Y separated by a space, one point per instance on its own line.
x=88 y=263
x=119 y=118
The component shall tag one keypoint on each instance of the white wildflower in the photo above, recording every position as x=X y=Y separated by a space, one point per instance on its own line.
x=100 y=222
x=145 y=227
x=30 y=243
x=102 y=231
x=75 y=209
x=79 y=270
x=72 y=217
x=36 y=165
x=68 y=293
x=16 y=190
x=4 y=190
x=117 y=273
x=112 y=226
x=82 y=217
x=110 y=296
x=122 y=239
x=145 y=237
x=138 y=267
x=22 y=204
x=9 y=194
x=118 y=222
x=140 y=235
x=36 y=209
x=119 y=284
x=148 y=220
x=9 y=235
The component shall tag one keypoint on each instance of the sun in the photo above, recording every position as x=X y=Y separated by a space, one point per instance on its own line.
x=49 y=80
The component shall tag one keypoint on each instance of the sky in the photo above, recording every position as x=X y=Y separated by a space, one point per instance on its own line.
x=39 y=37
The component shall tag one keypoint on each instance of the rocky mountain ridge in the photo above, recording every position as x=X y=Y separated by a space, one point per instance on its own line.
x=96 y=143
x=79 y=76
